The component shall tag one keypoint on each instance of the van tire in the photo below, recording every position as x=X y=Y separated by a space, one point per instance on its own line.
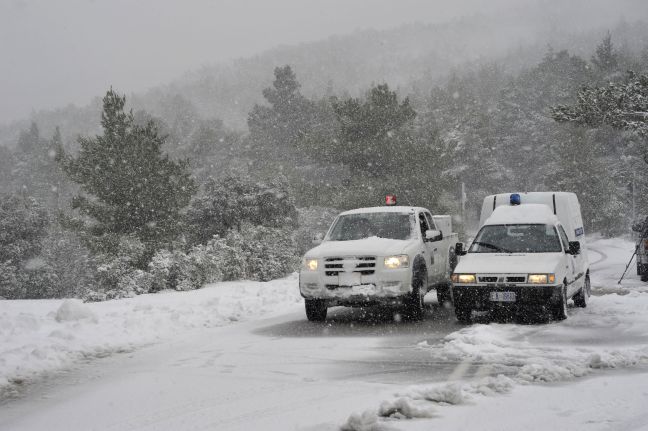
x=559 y=308
x=463 y=315
x=582 y=297
x=316 y=310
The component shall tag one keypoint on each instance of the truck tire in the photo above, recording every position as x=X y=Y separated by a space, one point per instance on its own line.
x=444 y=294
x=414 y=308
x=464 y=315
x=316 y=310
x=559 y=308
x=582 y=298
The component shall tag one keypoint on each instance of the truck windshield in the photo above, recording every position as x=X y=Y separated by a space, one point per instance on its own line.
x=517 y=238
x=383 y=225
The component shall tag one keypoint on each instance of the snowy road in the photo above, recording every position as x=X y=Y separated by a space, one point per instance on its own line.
x=282 y=372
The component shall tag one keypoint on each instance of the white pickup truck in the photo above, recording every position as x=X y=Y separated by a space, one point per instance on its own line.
x=390 y=255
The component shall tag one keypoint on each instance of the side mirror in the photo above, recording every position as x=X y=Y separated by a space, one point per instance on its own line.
x=574 y=248
x=318 y=238
x=459 y=249
x=433 y=235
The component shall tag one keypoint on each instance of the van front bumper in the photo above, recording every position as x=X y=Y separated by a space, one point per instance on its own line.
x=478 y=297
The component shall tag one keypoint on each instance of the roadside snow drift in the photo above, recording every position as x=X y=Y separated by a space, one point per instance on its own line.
x=45 y=335
x=611 y=333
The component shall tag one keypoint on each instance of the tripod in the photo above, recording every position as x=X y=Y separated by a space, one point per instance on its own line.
x=644 y=234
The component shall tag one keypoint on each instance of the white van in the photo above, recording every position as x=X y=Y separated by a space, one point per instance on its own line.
x=529 y=255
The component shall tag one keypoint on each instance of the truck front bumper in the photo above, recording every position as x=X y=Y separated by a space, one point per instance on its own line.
x=387 y=287
x=478 y=297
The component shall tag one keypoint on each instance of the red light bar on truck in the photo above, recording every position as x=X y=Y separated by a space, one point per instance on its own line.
x=390 y=200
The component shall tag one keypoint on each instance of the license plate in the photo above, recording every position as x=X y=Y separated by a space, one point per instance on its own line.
x=502 y=296
x=349 y=278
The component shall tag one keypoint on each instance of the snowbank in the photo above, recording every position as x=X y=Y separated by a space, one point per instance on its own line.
x=611 y=333
x=45 y=335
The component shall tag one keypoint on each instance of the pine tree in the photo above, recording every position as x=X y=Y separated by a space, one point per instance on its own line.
x=129 y=186
x=369 y=131
x=277 y=128
x=606 y=59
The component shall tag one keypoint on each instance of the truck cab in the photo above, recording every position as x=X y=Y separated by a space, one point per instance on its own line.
x=390 y=256
x=529 y=255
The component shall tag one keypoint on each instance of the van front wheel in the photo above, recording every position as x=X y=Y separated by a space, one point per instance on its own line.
x=559 y=308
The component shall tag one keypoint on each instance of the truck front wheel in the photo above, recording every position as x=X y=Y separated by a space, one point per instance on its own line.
x=443 y=294
x=414 y=308
x=316 y=310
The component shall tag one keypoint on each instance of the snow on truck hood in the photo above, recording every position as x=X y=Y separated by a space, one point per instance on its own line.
x=501 y=263
x=373 y=246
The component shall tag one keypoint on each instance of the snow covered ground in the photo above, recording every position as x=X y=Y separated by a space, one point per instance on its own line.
x=42 y=336
x=239 y=356
x=509 y=360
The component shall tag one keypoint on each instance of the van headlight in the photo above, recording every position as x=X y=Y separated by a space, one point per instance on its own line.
x=541 y=278
x=463 y=278
x=310 y=264
x=395 y=262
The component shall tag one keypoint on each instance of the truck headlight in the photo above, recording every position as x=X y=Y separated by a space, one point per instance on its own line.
x=463 y=278
x=310 y=264
x=395 y=262
x=541 y=278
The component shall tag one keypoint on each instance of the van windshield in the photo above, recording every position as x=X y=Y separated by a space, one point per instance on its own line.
x=517 y=238
x=383 y=225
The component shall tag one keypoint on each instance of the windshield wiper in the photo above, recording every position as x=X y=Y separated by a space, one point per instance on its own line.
x=492 y=246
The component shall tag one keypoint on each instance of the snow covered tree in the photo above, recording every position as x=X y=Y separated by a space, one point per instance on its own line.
x=228 y=202
x=275 y=129
x=129 y=186
x=606 y=59
x=623 y=106
x=23 y=225
x=367 y=130
x=581 y=168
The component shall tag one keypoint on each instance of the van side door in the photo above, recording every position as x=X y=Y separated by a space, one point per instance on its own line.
x=570 y=262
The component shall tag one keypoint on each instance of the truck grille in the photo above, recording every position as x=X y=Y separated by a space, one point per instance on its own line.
x=365 y=265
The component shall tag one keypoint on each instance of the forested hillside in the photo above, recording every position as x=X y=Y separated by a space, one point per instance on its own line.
x=226 y=173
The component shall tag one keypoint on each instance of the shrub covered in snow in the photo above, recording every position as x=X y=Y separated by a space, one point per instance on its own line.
x=117 y=275
x=255 y=253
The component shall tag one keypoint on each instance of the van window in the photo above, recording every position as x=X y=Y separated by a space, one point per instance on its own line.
x=563 y=238
x=517 y=238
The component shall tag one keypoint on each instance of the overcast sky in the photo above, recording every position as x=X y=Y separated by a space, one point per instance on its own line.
x=55 y=52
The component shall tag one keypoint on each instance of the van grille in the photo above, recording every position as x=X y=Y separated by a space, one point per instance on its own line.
x=488 y=279
x=516 y=279
x=365 y=265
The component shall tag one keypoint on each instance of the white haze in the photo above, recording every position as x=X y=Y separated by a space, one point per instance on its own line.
x=68 y=51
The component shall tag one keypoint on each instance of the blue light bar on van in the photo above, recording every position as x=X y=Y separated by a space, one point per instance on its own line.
x=515 y=199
